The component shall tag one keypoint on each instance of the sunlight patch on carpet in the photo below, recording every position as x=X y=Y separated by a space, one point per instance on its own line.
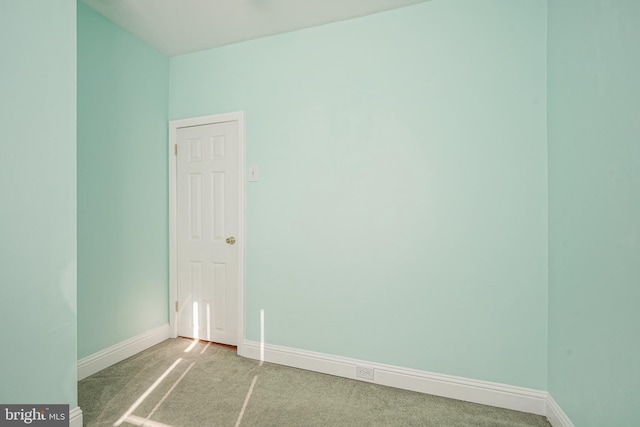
x=146 y=393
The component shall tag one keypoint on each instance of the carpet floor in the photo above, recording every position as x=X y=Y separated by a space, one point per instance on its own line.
x=182 y=383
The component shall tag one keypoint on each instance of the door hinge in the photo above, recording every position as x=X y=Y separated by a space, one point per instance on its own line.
x=175 y=149
x=176 y=305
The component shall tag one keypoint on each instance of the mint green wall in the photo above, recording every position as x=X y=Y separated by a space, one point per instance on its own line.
x=401 y=215
x=594 y=216
x=38 y=197
x=122 y=185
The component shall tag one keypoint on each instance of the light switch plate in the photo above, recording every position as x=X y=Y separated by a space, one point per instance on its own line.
x=253 y=174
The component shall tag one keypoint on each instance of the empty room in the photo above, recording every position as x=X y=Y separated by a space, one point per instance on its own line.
x=438 y=200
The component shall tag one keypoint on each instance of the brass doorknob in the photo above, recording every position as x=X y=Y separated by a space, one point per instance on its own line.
x=231 y=240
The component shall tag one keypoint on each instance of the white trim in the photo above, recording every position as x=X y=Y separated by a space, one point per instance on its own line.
x=174 y=125
x=556 y=415
x=483 y=392
x=116 y=353
x=75 y=417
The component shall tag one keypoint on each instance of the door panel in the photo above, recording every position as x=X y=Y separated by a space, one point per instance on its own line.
x=207 y=200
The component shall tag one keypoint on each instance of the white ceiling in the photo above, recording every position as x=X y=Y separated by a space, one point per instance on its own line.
x=176 y=27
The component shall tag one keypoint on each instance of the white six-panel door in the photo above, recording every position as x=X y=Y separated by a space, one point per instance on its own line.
x=207 y=226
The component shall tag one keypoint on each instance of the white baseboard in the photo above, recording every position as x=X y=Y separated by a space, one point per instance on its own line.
x=483 y=392
x=556 y=415
x=75 y=417
x=116 y=353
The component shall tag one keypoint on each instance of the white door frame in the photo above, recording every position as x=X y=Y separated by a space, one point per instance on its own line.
x=174 y=125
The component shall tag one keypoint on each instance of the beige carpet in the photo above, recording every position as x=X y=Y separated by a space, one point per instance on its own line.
x=211 y=386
